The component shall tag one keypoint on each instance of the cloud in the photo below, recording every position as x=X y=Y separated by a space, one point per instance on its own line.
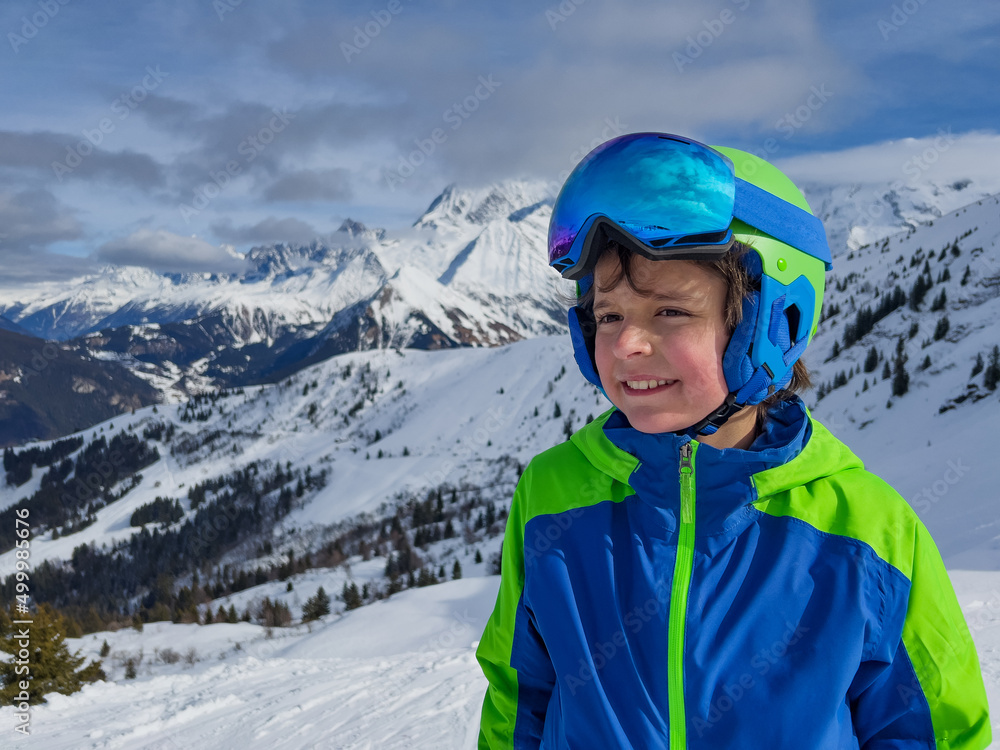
x=265 y=232
x=165 y=251
x=568 y=76
x=311 y=185
x=33 y=219
x=941 y=158
x=30 y=220
x=16 y=275
x=62 y=157
x=562 y=72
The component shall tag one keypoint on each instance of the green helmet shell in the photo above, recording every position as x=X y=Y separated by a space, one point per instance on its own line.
x=779 y=260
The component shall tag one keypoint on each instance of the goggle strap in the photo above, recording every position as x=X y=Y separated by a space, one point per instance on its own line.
x=782 y=220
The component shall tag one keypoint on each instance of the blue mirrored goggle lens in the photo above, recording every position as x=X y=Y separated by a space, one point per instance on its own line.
x=657 y=187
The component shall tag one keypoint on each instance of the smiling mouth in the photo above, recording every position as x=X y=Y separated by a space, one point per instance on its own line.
x=646 y=385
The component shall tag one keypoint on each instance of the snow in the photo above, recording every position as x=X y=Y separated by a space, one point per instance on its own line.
x=396 y=674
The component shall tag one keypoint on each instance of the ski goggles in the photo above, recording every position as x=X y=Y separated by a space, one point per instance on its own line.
x=665 y=197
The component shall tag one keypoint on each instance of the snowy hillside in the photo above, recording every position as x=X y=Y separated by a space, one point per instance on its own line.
x=399 y=674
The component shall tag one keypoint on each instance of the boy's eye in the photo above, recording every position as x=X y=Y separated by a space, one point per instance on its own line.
x=607 y=318
x=671 y=312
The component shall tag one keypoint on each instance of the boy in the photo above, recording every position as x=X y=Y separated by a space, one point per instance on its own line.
x=705 y=566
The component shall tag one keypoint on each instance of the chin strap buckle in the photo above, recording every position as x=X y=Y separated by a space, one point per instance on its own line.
x=717 y=418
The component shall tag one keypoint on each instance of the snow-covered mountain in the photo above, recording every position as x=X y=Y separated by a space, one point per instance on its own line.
x=421 y=409
x=862 y=213
x=483 y=242
x=470 y=272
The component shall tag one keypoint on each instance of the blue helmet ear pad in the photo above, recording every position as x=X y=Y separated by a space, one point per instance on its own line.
x=770 y=338
x=748 y=383
x=582 y=328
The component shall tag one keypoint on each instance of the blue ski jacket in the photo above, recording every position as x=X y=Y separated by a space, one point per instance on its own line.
x=661 y=593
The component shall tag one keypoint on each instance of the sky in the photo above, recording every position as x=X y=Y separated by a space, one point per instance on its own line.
x=177 y=135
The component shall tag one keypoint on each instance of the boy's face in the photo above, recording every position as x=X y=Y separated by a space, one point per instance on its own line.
x=675 y=338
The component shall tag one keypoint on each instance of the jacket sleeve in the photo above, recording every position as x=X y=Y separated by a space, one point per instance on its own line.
x=922 y=685
x=511 y=652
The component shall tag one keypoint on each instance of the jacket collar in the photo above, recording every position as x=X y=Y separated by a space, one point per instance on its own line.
x=725 y=478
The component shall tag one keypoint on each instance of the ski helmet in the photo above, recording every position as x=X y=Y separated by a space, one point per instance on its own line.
x=668 y=197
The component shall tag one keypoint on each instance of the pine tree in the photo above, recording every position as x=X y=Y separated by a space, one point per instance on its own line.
x=900 y=377
x=456 y=571
x=52 y=667
x=918 y=291
x=886 y=371
x=978 y=367
x=926 y=363
x=992 y=375
x=351 y=596
x=316 y=606
x=939 y=302
x=479 y=557
x=871 y=360
x=427 y=577
x=941 y=329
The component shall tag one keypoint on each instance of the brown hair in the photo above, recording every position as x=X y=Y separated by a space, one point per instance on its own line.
x=739 y=285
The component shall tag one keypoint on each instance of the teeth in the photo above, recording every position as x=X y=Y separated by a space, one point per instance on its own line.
x=642 y=385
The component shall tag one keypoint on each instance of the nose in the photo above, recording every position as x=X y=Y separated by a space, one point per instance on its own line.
x=632 y=340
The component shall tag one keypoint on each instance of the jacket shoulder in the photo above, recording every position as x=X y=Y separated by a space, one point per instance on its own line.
x=839 y=496
x=574 y=474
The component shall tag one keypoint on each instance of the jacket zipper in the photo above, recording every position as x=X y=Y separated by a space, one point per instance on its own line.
x=683 y=564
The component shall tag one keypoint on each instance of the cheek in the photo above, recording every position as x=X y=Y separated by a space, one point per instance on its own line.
x=700 y=359
x=603 y=357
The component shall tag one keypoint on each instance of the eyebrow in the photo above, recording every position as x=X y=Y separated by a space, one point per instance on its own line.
x=657 y=297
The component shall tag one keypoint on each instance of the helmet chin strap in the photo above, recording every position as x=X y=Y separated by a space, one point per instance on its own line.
x=718 y=417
